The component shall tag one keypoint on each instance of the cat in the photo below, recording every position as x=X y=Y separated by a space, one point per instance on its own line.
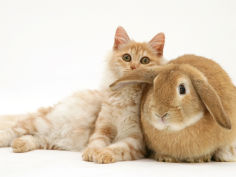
x=118 y=135
x=103 y=122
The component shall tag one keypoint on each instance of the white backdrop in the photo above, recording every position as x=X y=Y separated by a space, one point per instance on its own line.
x=51 y=48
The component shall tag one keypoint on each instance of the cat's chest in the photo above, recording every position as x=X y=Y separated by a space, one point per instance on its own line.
x=125 y=97
x=124 y=106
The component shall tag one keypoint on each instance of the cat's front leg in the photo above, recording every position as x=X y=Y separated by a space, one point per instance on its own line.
x=130 y=148
x=101 y=138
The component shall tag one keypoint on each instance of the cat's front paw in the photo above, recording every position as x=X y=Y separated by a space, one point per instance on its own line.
x=90 y=153
x=105 y=156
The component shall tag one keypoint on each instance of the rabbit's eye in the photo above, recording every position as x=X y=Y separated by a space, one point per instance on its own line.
x=126 y=57
x=182 y=89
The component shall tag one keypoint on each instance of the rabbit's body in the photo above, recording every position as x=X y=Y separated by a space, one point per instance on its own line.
x=188 y=114
x=192 y=144
x=202 y=139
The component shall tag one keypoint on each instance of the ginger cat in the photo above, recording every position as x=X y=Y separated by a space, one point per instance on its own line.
x=75 y=123
x=118 y=135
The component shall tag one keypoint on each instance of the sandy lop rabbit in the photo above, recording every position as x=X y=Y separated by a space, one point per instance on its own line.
x=188 y=110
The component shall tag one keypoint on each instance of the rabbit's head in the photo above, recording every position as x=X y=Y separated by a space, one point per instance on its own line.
x=180 y=96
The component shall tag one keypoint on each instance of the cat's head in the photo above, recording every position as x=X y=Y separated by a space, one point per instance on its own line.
x=128 y=55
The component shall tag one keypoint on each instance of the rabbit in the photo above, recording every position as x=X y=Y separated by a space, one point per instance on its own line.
x=188 y=110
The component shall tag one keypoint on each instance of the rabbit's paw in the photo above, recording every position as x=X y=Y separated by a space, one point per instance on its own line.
x=164 y=158
x=205 y=158
x=226 y=154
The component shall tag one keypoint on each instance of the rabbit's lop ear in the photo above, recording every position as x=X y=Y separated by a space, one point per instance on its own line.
x=134 y=77
x=212 y=102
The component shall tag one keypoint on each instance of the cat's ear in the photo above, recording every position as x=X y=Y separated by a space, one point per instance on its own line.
x=121 y=37
x=157 y=43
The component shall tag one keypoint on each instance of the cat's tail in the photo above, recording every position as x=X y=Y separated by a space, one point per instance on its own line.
x=7 y=124
x=14 y=126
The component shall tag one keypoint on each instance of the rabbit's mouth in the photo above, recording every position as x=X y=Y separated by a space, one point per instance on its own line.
x=162 y=117
x=164 y=122
x=160 y=122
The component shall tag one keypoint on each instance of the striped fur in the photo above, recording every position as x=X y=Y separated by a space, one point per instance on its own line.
x=116 y=132
x=66 y=126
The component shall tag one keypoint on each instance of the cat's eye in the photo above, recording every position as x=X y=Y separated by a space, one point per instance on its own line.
x=126 y=57
x=182 y=89
x=145 y=60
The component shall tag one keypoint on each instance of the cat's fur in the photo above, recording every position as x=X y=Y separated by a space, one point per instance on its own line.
x=118 y=134
x=69 y=124
x=66 y=126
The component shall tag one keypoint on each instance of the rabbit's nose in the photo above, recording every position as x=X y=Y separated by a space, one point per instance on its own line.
x=164 y=115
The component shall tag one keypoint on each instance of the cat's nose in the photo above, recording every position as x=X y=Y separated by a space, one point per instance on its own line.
x=133 y=67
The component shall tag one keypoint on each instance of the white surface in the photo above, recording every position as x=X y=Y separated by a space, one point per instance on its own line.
x=50 y=48
x=62 y=163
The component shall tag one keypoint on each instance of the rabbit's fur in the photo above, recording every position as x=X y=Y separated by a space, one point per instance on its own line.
x=192 y=127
